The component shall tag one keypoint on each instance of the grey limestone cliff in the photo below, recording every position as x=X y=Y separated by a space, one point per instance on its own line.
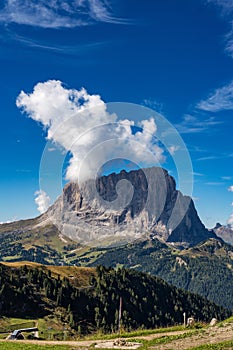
x=127 y=206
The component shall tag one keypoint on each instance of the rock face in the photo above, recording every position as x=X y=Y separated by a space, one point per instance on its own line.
x=122 y=207
x=224 y=232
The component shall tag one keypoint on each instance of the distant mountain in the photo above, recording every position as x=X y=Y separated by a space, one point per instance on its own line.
x=122 y=207
x=117 y=209
x=88 y=300
x=224 y=232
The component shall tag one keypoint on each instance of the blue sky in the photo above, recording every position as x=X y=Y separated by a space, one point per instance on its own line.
x=174 y=56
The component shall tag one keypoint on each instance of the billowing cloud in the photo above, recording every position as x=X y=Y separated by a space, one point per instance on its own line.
x=81 y=124
x=220 y=99
x=230 y=188
x=56 y=13
x=42 y=200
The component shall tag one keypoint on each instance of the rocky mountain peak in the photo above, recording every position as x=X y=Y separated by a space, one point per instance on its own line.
x=218 y=225
x=126 y=206
x=224 y=232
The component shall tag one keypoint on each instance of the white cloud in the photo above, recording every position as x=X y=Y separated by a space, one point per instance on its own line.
x=208 y=158
x=230 y=220
x=42 y=200
x=62 y=49
x=228 y=178
x=220 y=99
x=229 y=46
x=197 y=174
x=226 y=7
x=214 y=183
x=56 y=13
x=9 y=221
x=81 y=124
x=191 y=124
x=153 y=104
x=23 y=171
x=172 y=149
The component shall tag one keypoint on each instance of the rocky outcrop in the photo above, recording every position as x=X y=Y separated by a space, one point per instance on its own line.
x=122 y=207
x=224 y=232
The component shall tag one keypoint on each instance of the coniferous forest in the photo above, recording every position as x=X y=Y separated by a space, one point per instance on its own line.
x=148 y=301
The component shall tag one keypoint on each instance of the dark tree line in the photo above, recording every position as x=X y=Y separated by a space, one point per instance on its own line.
x=147 y=301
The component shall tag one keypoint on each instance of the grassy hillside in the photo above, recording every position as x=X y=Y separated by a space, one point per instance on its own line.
x=25 y=240
x=88 y=300
x=78 y=276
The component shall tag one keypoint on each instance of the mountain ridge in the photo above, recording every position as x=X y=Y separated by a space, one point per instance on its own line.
x=145 y=203
x=224 y=232
x=122 y=207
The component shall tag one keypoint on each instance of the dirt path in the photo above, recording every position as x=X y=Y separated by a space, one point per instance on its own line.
x=87 y=343
x=75 y=344
x=209 y=336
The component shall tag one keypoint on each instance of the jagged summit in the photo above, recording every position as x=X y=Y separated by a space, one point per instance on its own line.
x=126 y=206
